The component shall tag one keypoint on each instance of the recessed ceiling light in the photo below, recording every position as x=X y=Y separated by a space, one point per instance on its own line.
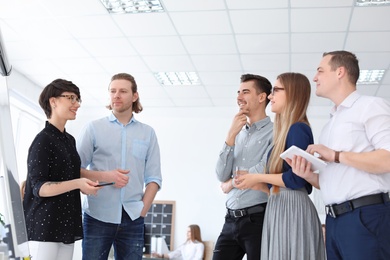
x=132 y=6
x=370 y=76
x=177 y=78
x=372 y=2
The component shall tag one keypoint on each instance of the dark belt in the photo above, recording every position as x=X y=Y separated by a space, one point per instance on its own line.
x=338 y=209
x=238 y=213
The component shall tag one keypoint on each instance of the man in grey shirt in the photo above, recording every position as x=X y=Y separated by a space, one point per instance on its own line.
x=247 y=144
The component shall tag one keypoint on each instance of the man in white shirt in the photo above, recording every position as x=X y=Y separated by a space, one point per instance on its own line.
x=356 y=182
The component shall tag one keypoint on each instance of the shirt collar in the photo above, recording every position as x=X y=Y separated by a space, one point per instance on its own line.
x=112 y=118
x=259 y=124
x=55 y=130
x=347 y=102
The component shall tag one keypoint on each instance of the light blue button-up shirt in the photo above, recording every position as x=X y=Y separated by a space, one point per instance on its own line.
x=106 y=144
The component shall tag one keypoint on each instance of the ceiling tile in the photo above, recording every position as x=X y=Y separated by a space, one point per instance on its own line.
x=152 y=93
x=255 y=4
x=195 y=23
x=369 y=90
x=305 y=61
x=386 y=80
x=327 y=3
x=210 y=44
x=130 y=64
x=218 y=78
x=180 y=5
x=43 y=80
x=228 y=92
x=149 y=24
x=373 y=60
x=22 y=8
x=79 y=66
x=186 y=92
x=368 y=41
x=157 y=102
x=266 y=62
x=42 y=29
x=91 y=26
x=379 y=19
x=37 y=67
x=145 y=80
x=193 y=102
x=260 y=21
x=302 y=20
x=20 y=50
x=224 y=102
x=216 y=62
x=168 y=63
x=163 y=45
x=74 y=7
x=96 y=83
x=384 y=91
x=263 y=43
x=317 y=42
x=8 y=33
x=108 y=47
x=51 y=49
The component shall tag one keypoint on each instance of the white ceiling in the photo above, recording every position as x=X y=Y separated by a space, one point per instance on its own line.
x=79 y=40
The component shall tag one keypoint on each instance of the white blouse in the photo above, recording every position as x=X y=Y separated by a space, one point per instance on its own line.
x=188 y=251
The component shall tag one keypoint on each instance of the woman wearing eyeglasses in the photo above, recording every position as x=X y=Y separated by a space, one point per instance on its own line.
x=52 y=205
x=291 y=229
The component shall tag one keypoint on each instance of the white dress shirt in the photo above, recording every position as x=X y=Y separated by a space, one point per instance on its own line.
x=358 y=124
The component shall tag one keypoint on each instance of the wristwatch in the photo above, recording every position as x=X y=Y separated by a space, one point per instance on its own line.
x=337 y=156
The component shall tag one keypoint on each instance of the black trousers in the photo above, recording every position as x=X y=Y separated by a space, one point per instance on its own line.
x=240 y=236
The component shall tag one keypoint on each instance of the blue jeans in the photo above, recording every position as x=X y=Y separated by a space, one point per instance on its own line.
x=127 y=238
x=360 y=234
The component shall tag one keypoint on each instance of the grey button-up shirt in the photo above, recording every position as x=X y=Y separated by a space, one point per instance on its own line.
x=250 y=150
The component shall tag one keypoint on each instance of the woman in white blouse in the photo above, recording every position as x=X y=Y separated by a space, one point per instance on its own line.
x=192 y=249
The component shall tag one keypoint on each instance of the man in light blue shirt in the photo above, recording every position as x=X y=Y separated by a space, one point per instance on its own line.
x=122 y=150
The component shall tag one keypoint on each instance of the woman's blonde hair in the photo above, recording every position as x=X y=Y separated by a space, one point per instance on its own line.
x=297 y=89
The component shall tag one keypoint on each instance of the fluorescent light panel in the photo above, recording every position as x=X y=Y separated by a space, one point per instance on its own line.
x=370 y=76
x=177 y=78
x=372 y=2
x=132 y=6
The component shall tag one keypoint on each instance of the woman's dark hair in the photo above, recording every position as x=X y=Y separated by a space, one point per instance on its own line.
x=55 y=89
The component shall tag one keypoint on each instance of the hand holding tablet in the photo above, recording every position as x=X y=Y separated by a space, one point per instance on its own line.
x=316 y=163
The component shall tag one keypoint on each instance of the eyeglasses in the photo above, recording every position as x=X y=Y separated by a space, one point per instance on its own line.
x=72 y=98
x=275 y=90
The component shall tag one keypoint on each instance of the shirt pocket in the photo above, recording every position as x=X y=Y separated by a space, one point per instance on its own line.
x=140 y=149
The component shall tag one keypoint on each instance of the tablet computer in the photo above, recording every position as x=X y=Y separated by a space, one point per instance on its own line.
x=316 y=163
